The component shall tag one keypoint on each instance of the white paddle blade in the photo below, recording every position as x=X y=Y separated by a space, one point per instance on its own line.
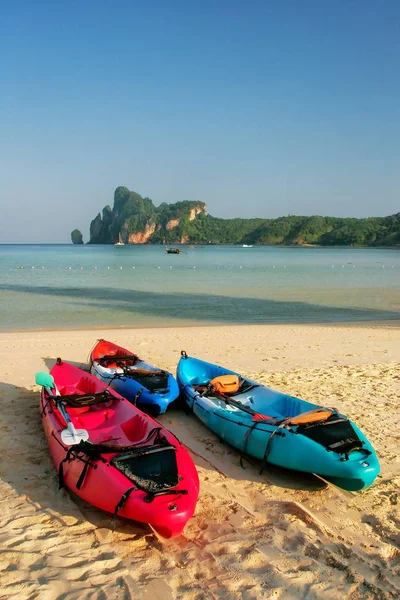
x=69 y=438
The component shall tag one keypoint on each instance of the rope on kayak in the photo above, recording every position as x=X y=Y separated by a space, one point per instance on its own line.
x=45 y=405
x=137 y=396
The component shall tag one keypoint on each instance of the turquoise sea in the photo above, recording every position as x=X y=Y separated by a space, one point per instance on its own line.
x=57 y=286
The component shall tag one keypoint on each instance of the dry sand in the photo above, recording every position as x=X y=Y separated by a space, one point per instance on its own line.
x=279 y=535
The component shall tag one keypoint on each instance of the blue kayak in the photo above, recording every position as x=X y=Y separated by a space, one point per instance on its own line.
x=146 y=386
x=276 y=428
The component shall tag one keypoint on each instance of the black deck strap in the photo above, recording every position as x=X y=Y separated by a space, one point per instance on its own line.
x=268 y=447
x=151 y=495
x=246 y=440
x=82 y=475
x=67 y=458
x=61 y=474
x=122 y=502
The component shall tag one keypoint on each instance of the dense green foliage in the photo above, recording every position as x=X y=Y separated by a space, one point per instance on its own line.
x=187 y=222
x=328 y=231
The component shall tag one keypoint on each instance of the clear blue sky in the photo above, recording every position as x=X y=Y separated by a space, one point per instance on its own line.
x=259 y=108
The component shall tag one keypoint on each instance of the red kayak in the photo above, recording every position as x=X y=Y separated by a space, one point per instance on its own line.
x=126 y=463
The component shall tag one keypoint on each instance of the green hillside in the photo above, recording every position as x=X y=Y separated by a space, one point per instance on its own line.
x=138 y=220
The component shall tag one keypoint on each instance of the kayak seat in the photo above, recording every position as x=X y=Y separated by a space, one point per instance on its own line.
x=288 y=406
x=136 y=429
x=91 y=419
x=73 y=411
x=87 y=400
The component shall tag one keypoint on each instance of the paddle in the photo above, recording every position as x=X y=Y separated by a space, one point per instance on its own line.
x=70 y=435
x=256 y=416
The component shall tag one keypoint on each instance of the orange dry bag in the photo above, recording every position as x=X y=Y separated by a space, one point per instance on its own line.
x=225 y=384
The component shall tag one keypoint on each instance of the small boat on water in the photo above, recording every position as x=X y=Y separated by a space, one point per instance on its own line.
x=120 y=242
x=150 y=388
x=277 y=428
x=173 y=250
x=114 y=456
x=247 y=245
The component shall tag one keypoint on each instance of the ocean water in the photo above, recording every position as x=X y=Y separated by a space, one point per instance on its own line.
x=56 y=286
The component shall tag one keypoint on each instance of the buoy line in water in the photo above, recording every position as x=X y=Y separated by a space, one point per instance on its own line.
x=159 y=267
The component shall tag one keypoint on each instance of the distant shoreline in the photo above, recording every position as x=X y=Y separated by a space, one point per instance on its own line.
x=395 y=247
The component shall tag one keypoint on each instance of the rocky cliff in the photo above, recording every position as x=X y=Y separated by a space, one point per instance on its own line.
x=138 y=221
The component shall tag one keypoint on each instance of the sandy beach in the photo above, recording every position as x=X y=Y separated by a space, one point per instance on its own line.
x=279 y=535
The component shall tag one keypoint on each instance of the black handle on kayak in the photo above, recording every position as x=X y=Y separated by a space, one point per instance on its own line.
x=150 y=497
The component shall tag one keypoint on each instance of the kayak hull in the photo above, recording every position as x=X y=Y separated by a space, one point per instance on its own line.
x=102 y=484
x=282 y=446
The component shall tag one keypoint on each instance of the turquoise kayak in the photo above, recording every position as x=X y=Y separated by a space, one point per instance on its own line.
x=279 y=429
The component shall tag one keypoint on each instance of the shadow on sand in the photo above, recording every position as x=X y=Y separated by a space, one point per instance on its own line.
x=30 y=471
x=28 y=468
